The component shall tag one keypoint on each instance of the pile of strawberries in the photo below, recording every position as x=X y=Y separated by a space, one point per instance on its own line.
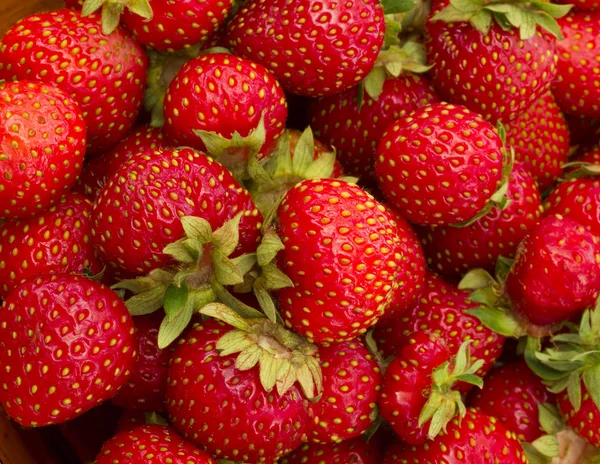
x=305 y=231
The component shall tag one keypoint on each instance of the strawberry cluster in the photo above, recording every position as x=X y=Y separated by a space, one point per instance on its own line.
x=304 y=231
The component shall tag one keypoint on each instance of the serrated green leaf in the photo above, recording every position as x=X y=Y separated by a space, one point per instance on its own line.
x=226 y=272
x=307 y=381
x=467 y=6
x=141 y=8
x=397 y=6
x=553 y=9
x=227 y=237
x=173 y=327
x=476 y=279
x=248 y=358
x=591 y=380
x=257 y=172
x=229 y=300
x=549 y=418
x=110 y=18
x=275 y=279
x=196 y=227
x=482 y=21
x=547 y=445
x=269 y=370
x=152 y=418
x=451 y=15
x=462 y=358
x=245 y=262
x=498 y=321
x=180 y=252
x=471 y=379
x=225 y=314
x=574 y=390
x=549 y=24
x=146 y=302
x=373 y=83
x=90 y=6
x=174 y=300
x=266 y=302
x=270 y=245
x=322 y=167
x=303 y=152
x=233 y=341
x=528 y=27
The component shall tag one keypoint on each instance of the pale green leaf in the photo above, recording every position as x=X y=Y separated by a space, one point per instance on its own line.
x=225 y=314
x=171 y=328
x=397 y=6
x=146 y=302
x=196 y=227
x=270 y=245
x=174 y=300
x=227 y=237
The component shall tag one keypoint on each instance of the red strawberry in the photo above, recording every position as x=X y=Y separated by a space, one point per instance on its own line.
x=310 y=46
x=145 y=389
x=592 y=156
x=42 y=144
x=458 y=168
x=66 y=344
x=540 y=139
x=98 y=169
x=150 y=444
x=356 y=451
x=476 y=439
x=455 y=250
x=577 y=199
x=577 y=88
x=131 y=419
x=342 y=255
x=226 y=410
x=586 y=420
x=351 y=383
x=230 y=94
x=105 y=75
x=57 y=240
x=556 y=273
x=512 y=394
x=355 y=131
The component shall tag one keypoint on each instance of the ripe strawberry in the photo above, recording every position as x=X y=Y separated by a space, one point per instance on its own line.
x=454 y=250
x=135 y=217
x=586 y=420
x=145 y=389
x=226 y=410
x=577 y=199
x=476 y=439
x=230 y=94
x=55 y=241
x=556 y=273
x=591 y=155
x=310 y=46
x=577 y=88
x=131 y=419
x=98 y=169
x=342 y=255
x=356 y=451
x=105 y=75
x=512 y=393
x=351 y=383
x=42 y=144
x=540 y=139
x=458 y=168
x=150 y=444
x=356 y=130
x=66 y=345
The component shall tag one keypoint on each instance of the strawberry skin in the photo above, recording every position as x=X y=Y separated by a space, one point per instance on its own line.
x=104 y=74
x=586 y=421
x=356 y=451
x=55 y=241
x=226 y=411
x=229 y=94
x=42 y=144
x=66 y=344
x=310 y=45
x=150 y=444
x=342 y=255
x=351 y=383
x=512 y=394
x=440 y=164
x=556 y=273
x=355 y=132
x=453 y=251
x=578 y=199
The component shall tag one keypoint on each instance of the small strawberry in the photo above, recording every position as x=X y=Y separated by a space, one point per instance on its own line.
x=310 y=46
x=591 y=155
x=586 y=419
x=512 y=394
x=66 y=345
x=577 y=199
x=458 y=168
x=105 y=75
x=476 y=439
x=356 y=451
x=150 y=444
x=55 y=241
x=42 y=144
x=342 y=256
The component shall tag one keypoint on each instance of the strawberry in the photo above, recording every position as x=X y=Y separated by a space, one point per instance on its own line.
x=356 y=451
x=577 y=199
x=592 y=155
x=66 y=345
x=576 y=87
x=98 y=169
x=335 y=119
x=476 y=439
x=131 y=419
x=540 y=139
x=495 y=63
x=105 y=75
x=150 y=444
x=351 y=383
x=585 y=420
x=310 y=46
x=454 y=250
x=342 y=256
x=55 y=241
x=42 y=144
x=458 y=168
x=145 y=389
x=230 y=94
x=512 y=393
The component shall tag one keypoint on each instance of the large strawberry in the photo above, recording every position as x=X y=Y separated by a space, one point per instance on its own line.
x=42 y=144
x=310 y=46
x=577 y=88
x=356 y=451
x=150 y=444
x=67 y=344
x=577 y=199
x=105 y=75
x=441 y=164
x=57 y=240
x=342 y=255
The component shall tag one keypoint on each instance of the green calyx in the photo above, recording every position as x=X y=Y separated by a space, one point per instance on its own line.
x=582 y=170
x=444 y=403
x=283 y=357
x=525 y=15
x=112 y=10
